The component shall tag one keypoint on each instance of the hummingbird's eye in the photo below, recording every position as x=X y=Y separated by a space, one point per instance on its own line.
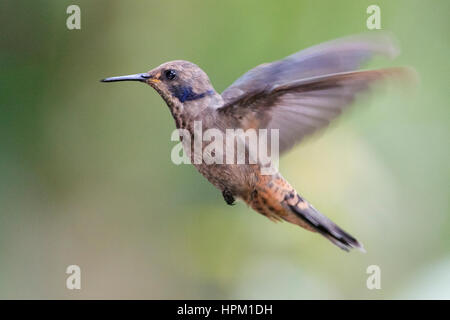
x=170 y=74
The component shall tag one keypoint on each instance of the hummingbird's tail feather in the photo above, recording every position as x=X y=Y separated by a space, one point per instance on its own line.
x=324 y=226
x=277 y=200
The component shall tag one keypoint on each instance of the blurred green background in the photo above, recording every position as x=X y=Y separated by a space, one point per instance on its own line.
x=86 y=176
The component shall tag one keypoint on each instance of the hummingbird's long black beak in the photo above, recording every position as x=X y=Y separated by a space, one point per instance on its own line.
x=132 y=77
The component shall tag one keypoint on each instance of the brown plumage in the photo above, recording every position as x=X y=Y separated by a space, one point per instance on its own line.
x=275 y=198
x=297 y=95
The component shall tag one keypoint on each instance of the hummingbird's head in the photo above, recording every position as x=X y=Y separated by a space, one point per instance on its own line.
x=182 y=85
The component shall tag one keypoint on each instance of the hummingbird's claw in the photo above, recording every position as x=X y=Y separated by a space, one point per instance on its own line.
x=228 y=197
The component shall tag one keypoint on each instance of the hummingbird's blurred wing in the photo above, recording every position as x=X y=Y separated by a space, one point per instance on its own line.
x=301 y=107
x=305 y=91
x=340 y=55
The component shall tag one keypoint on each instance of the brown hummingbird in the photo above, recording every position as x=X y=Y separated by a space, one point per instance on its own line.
x=297 y=95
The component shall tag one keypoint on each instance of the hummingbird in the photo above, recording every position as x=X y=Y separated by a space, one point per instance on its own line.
x=297 y=95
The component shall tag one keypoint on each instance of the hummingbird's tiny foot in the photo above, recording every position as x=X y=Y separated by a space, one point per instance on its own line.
x=228 y=197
